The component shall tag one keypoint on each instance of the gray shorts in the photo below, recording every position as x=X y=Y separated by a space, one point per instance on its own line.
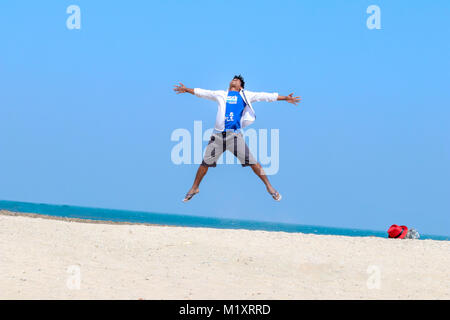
x=231 y=141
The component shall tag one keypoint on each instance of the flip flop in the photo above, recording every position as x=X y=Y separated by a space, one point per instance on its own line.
x=276 y=196
x=189 y=196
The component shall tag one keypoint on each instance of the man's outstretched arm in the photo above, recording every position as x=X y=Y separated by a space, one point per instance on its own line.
x=290 y=99
x=270 y=97
x=201 y=93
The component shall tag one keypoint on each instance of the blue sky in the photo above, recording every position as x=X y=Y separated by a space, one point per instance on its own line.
x=86 y=115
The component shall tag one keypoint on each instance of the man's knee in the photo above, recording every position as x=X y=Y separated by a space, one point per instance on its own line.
x=255 y=166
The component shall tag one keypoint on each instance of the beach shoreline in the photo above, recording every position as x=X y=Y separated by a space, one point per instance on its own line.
x=48 y=257
x=80 y=220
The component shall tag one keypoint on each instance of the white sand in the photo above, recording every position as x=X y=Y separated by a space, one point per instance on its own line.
x=154 y=262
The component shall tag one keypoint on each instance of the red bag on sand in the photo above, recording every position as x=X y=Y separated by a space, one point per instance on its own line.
x=397 y=232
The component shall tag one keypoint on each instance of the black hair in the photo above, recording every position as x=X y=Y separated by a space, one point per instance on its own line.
x=240 y=79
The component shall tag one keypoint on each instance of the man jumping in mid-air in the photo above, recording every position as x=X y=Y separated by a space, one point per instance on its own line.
x=234 y=112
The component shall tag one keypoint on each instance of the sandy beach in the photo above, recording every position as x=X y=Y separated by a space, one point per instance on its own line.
x=44 y=258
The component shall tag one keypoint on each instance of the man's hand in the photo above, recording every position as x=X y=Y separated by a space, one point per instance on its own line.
x=182 y=89
x=291 y=99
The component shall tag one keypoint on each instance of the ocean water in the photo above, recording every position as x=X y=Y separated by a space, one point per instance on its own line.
x=185 y=220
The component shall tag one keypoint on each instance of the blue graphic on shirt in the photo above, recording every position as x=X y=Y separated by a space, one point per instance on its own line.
x=234 y=109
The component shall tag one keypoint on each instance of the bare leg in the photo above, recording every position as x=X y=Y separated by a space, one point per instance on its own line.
x=198 y=178
x=262 y=175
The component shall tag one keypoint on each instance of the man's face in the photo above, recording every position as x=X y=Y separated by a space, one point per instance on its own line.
x=235 y=83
